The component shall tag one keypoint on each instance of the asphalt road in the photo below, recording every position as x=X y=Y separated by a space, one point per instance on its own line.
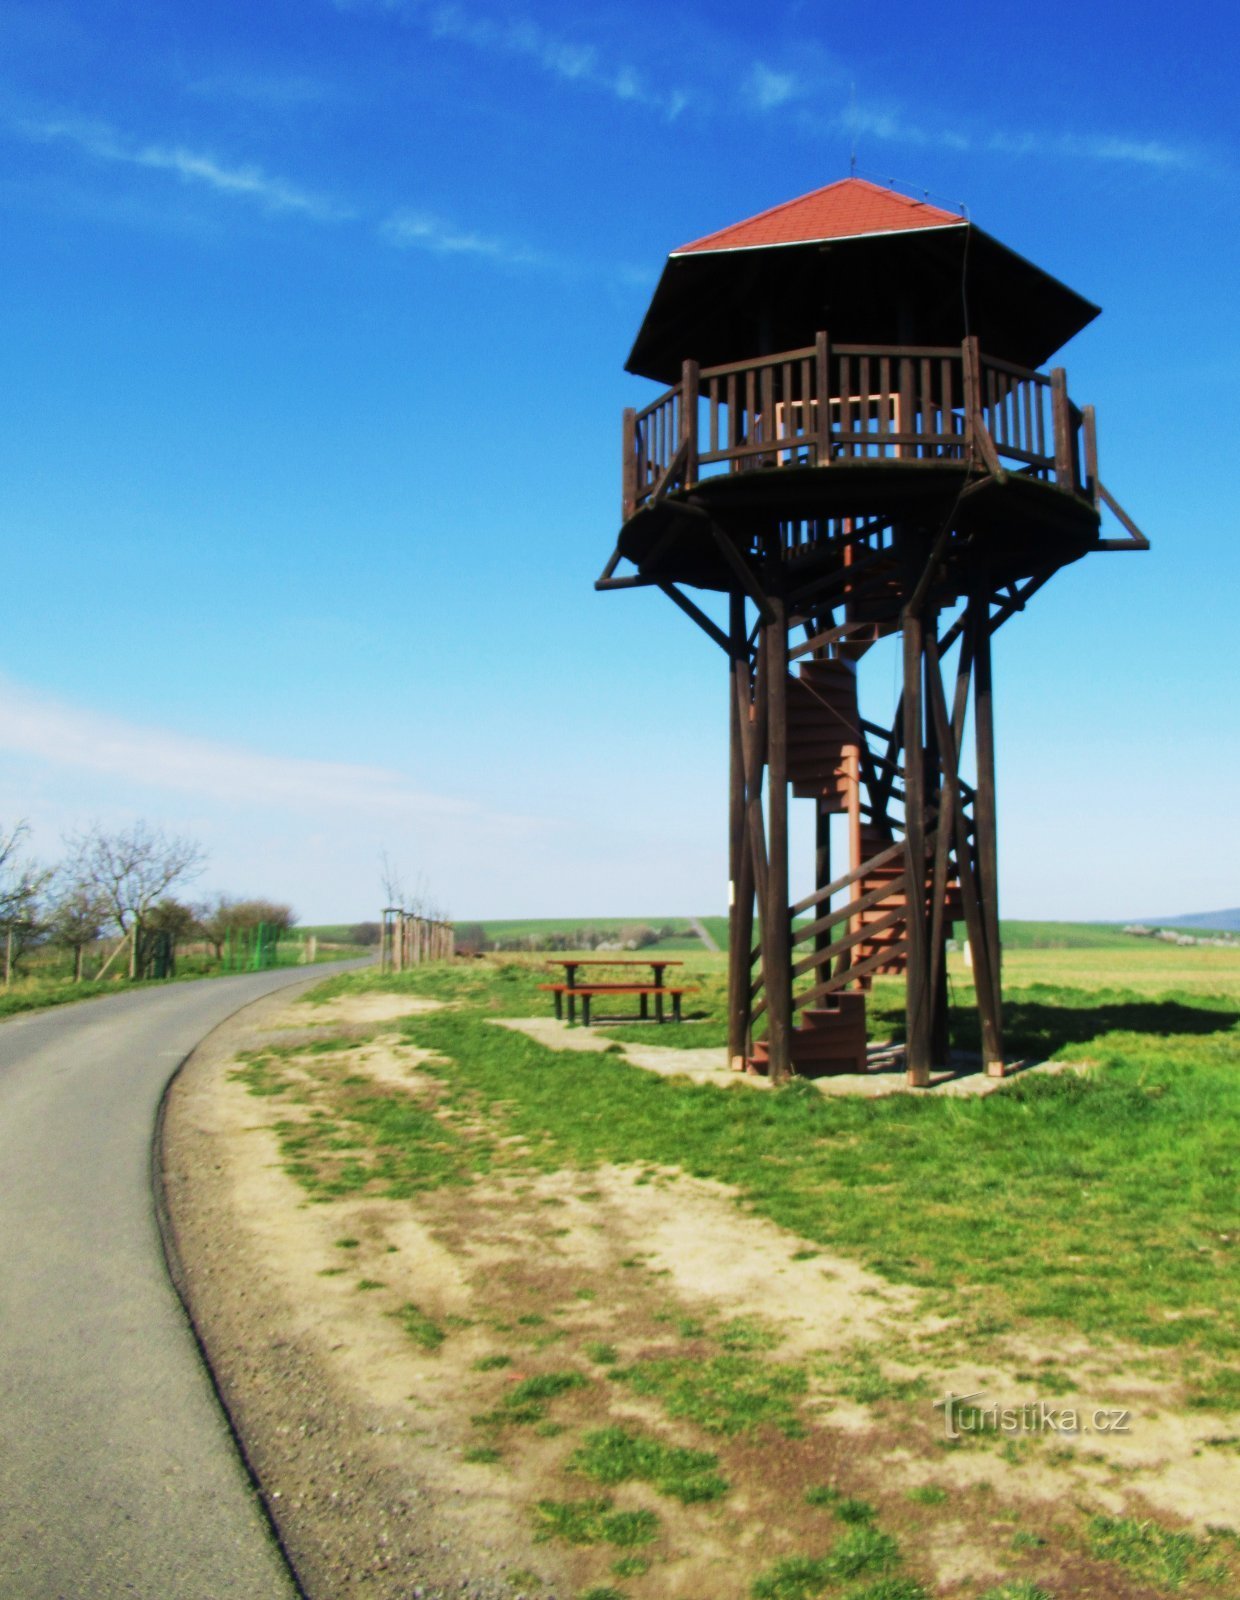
x=118 y=1473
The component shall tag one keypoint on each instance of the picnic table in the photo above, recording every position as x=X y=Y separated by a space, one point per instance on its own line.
x=574 y=990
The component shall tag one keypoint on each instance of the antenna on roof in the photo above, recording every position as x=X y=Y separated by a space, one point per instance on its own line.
x=915 y=192
x=852 y=126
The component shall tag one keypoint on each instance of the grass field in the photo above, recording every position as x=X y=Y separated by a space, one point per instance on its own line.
x=1016 y=935
x=47 y=979
x=1078 y=1231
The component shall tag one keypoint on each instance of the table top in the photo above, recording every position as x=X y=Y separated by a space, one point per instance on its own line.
x=605 y=961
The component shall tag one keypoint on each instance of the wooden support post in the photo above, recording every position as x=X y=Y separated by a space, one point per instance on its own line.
x=940 y=927
x=985 y=812
x=8 y=955
x=776 y=933
x=917 y=991
x=1065 y=467
x=936 y=800
x=754 y=742
x=740 y=862
x=991 y=1048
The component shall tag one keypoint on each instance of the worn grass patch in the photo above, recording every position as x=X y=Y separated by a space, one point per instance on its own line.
x=620 y=1455
x=423 y=1330
x=526 y=1402
x=726 y=1394
x=1164 y=1556
x=593 y=1522
x=865 y=1552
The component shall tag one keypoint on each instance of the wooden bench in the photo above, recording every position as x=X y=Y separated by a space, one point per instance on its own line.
x=585 y=992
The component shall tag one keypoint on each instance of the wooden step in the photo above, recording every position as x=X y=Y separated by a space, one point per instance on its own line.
x=828 y=1038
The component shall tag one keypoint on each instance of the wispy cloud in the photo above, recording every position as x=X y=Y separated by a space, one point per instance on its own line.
x=886 y=123
x=422 y=230
x=1103 y=147
x=803 y=91
x=570 y=60
x=249 y=182
x=85 y=741
x=765 y=89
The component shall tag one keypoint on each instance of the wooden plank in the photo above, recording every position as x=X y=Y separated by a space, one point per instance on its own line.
x=711 y=629
x=732 y=368
x=882 y=859
x=1136 y=541
x=862 y=934
x=861 y=969
x=897 y=350
x=857 y=907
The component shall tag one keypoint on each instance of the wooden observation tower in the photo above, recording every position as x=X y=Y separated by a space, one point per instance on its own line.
x=857 y=444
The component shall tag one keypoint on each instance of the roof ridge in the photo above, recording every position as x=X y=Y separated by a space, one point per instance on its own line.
x=936 y=216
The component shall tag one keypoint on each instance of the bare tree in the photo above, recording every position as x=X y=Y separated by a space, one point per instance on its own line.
x=76 y=918
x=22 y=883
x=132 y=869
x=394 y=898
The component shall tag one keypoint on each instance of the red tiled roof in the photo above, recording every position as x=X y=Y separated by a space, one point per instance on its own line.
x=842 y=210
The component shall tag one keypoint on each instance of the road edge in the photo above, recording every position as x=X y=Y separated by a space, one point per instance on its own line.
x=175 y=1268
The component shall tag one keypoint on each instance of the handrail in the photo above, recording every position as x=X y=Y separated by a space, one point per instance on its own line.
x=824 y=404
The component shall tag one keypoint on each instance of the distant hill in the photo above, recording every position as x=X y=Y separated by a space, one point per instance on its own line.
x=1214 y=921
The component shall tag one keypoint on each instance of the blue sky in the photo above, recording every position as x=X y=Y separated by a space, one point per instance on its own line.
x=313 y=329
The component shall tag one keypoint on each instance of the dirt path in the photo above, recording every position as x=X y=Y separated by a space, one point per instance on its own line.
x=376 y=1355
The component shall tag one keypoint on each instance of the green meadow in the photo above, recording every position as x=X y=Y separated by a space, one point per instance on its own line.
x=1077 y=1230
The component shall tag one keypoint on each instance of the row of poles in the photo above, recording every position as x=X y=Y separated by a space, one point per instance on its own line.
x=408 y=940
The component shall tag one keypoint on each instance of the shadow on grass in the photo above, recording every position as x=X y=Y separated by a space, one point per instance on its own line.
x=1036 y=1029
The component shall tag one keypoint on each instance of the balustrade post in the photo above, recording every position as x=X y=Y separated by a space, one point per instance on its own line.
x=905 y=418
x=1091 y=452
x=689 y=419
x=628 y=476
x=822 y=381
x=971 y=357
x=1065 y=475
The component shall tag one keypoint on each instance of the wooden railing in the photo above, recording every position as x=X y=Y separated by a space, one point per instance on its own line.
x=849 y=402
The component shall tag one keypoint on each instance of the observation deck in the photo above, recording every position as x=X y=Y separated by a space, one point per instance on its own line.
x=831 y=444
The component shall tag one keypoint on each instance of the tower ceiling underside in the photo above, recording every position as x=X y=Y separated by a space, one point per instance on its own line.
x=931 y=285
